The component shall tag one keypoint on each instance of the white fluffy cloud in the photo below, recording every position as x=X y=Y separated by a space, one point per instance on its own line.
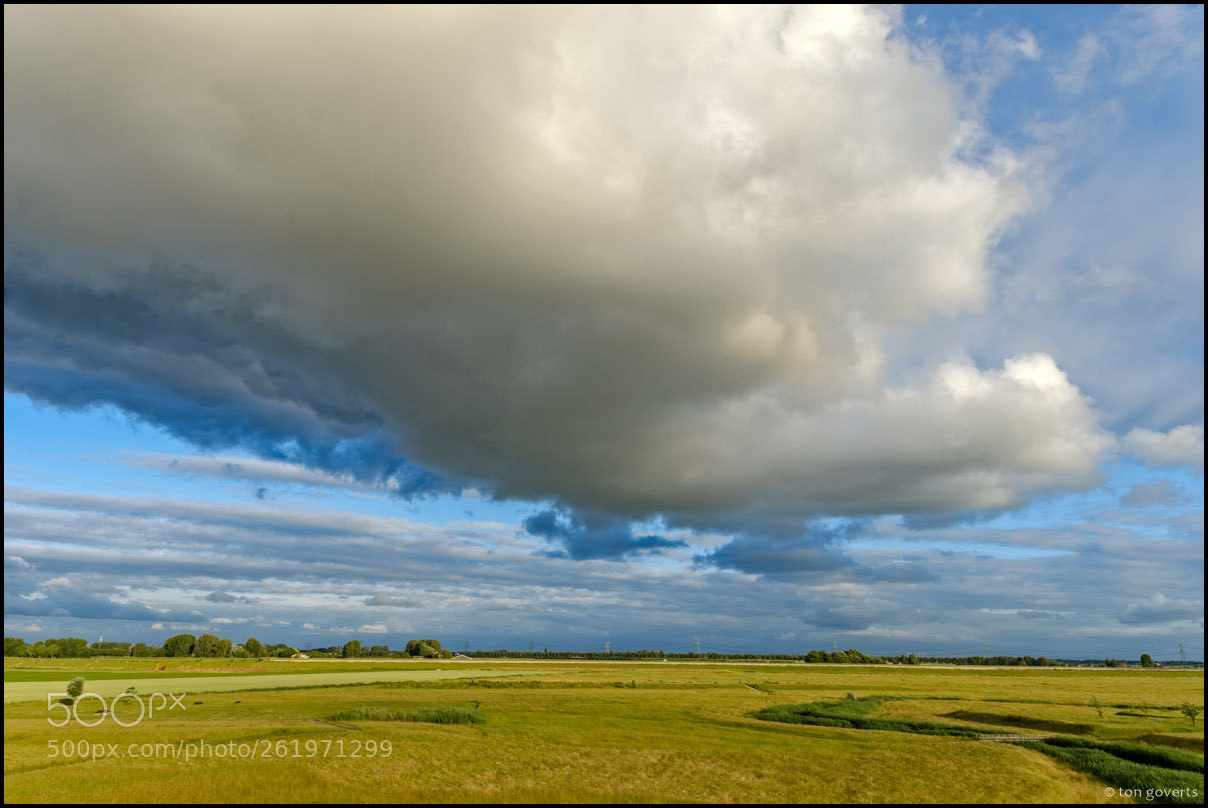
x=1181 y=446
x=638 y=260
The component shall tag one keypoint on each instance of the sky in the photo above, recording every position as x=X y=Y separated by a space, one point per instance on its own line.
x=770 y=328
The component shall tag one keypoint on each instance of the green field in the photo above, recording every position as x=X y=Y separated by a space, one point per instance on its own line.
x=618 y=732
x=217 y=683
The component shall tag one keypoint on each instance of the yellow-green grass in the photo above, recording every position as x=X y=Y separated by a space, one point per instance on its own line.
x=107 y=688
x=1161 y=717
x=195 y=666
x=684 y=733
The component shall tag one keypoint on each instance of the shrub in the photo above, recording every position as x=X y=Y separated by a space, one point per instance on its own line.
x=1190 y=710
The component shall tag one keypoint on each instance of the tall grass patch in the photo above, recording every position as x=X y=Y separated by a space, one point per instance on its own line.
x=1160 y=784
x=1137 y=753
x=854 y=714
x=426 y=715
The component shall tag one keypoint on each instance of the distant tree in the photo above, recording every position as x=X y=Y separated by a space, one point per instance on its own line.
x=11 y=644
x=179 y=646
x=352 y=649
x=1190 y=710
x=378 y=651
x=253 y=647
x=1146 y=661
x=428 y=649
x=75 y=687
x=224 y=647
x=108 y=649
x=913 y=659
x=208 y=645
x=71 y=647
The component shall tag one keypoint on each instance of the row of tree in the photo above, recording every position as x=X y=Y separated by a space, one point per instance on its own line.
x=211 y=646
x=1003 y=661
x=47 y=649
x=849 y=656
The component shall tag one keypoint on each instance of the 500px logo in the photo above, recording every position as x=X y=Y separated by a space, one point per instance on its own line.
x=145 y=709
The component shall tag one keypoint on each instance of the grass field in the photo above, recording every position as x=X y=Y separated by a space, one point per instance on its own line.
x=626 y=732
x=217 y=683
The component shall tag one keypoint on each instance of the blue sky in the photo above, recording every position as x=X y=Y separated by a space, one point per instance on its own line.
x=772 y=327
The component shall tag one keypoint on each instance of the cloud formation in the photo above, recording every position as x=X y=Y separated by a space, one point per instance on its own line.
x=1158 y=492
x=132 y=570
x=631 y=261
x=1181 y=446
x=1160 y=609
x=592 y=535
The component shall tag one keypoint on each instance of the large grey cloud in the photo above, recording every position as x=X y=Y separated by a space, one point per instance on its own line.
x=635 y=261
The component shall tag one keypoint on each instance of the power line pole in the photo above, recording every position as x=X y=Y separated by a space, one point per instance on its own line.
x=835 y=646
x=608 y=648
x=1182 y=655
x=698 y=646
x=987 y=650
x=530 y=646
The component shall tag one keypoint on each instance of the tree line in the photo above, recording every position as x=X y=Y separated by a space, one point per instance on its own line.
x=850 y=656
x=212 y=646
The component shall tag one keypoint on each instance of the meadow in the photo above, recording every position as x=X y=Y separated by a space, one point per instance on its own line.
x=616 y=732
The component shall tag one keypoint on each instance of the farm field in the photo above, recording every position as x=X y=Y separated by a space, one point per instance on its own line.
x=565 y=732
